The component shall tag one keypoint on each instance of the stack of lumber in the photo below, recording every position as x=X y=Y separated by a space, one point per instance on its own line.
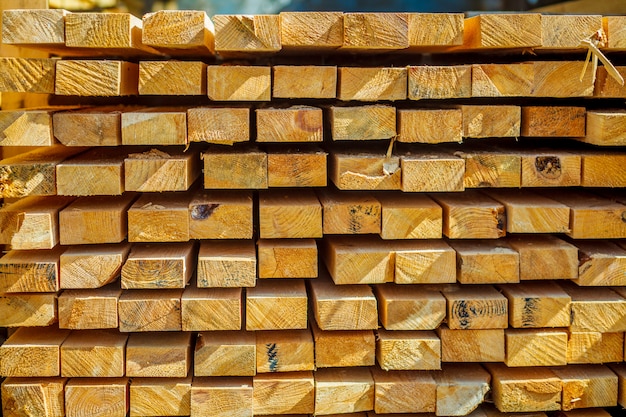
x=314 y=213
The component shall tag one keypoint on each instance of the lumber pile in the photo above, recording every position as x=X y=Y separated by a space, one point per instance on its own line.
x=313 y=213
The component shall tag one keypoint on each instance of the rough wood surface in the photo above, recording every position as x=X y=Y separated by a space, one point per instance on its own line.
x=371 y=122
x=313 y=30
x=159 y=266
x=430 y=125
x=219 y=125
x=209 y=309
x=375 y=32
x=97 y=397
x=172 y=78
x=393 y=392
x=41 y=396
x=605 y=128
x=588 y=386
x=242 y=168
x=424 y=262
x=291 y=124
x=545 y=257
x=246 y=34
x=548 y=168
x=38 y=310
x=408 y=350
x=470 y=345
x=491 y=121
x=158 y=354
x=562 y=79
x=600 y=168
x=502 y=80
x=409 y=308
x=284 y=351
x=343 y=391
x=350 y=213
x=470 y=215
x=303 y=81
x=287 y=258
x=343 y=348
x=30 y=271
x=566 y=31
x=366 y=261
x=155 y=126
x=149 y=310
x=179 y=32
x=33 y=352
x=596 y=309
x=372 y=84
x=461 y=388
x=537 y=305
x=289 y=215
x=282 y=393
x=221 y=215
x=89 y=309
x=27 y=75
x=27 y=127
x=600 y=264
x=230 y=353
x=476 y=307
x=553 y=121
x=535 y=347
x=92 y=126
x=432 y=172
x=297 y=167
x=439 y=82
x=91 y=266
x=156 y=396
x=506 y=30
x=372 y=170
x=276 y=305
x=44 y=27
x=95 y=172
x=490 y=168
x=160 y=217
x=435 y=30
x=486 y=262
x=96 y=78
x=227 y=264
x=93 y=353
x=221 y=397
x=409 y=217
x=239 y=83
x=158 y=171
x=595 y=347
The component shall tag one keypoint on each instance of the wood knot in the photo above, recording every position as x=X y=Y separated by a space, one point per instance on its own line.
x=548 y=166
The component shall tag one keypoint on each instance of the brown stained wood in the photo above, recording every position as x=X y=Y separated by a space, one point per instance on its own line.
x=95 y=172
x=221 y=397
x=595 y=347
x=491 y=121
x=368 y=260
x=553 y=121
x=562 y=79
x=97 y=397
x=461 y=389
x=566 y=31
x=276 y=305
x=27 y=75
x=159 y=266
x=149 y=310
x=347 y=307
x=33 y=172
x=238 y=35
x=601 y=263
x=92 y=126
x=89 y=309
x=26 y=127
x=545 y=257
x=283 y=393
x=239 y=168
x=395 y=392
x=525 y=389
x=470 y=215
x=157 y=170
x=372 y=84
x=409 y=217
x=608 y=87
x=287 y=258
x=486 y=262
x=370 y=122
x=211 y=309
x=285 y=215
x=91 y=266
x=291 y=124
x=543 y=168
x=596 y=309
x=33 y=352
x=179 y=32
x=354 y=170
x=409 y=308
x=537 y=305
x=343 y=348
x=96 y=78
x=502 y=30
x=225 y=354
x=155 y=126
x=431 y=172
x=535 y=347
x=30 y=271
x=41 y=27
x=603 y=169
x=350 y=213
x=32 y=222
x=219 y=125
x=314 y=30
x=42 y=396
x=435 y=30
x=439 y=82
x=227 y=264
x=423 y=262
x=157 y=396
x=303 y=81
x=488 y=168
x=605 y=128
x=408 y=350
x=93 y=353
x=430 y=125
x=172 y=78
x=284 y=351
x=95 y=220
x=160 y=217
x=220 y=215
x=341 y=391
x=476 y=307
x=587 y=386
x=28 y=310
x=375 y=32
x=502 y=80
x=159 y=354
x=239 y=83
x=297 y=168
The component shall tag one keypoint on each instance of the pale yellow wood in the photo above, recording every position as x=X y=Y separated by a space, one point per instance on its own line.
x=155 y=126
x=289 y=215
x=313 y=30
x=486 y=262
x=41 y=396
x=31 y=127
x=476 y=307
x=410 y=217
x=469 y=345
x=603 y=169
x=284 y=351
x=502 y=30
x=545 y=257
x=553 y=121
x=368 y=262
x=297 y=168
x=160 y=396
x=566 y=31
x=158 y=354
x=89 y=309
x=92 y=126
x=537 y=305
x=409 y=308
x=562 y=79
x=360 y=170
x=491 y=121
x=408 y=350
x=291 y=124
x=287 y=258
x=395 y=392
x=620 y=371
x=372 y=84
x=432 y=172
x=471 y=215
x=461 y=388
x=91 y=266
x=220 y=215
x=105 y=78
x=157 y=170
x=221 y=397
x=596 y=309
x=237 y=35
x=149 y=310
x=424 y=262
x=27 y=75
x=343 y=348
x=614 y=29
x=160 y=217
x=33 y=352
x=283 y=393
x=502 y=80
x=375 y=32
x=220 y=125
x=179 y=32
x=341 y=391
x=605 y=128
x=550 y=169
x=440 y=30
x=17 y=310
x=225 y=353
x=92 y=173
x=587 y=386
x=601 y=263
x=30 y=271
x=93 y=353
x=239 y=83
x=439 y=82
x=303 y=81
x=430 y=125
x=159 y=266
x=209 y=309
x=34 y=27
x=172 y=78
x=486 y=168
x=595 y=347
x=276 y=305
x=350 y=213
x=97 y=397
x=370 y=122
x=535 y=347
x=242 y=168
x=227 y=264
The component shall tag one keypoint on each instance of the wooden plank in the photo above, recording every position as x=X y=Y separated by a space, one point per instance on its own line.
x=157 y=170
x=566 y=31
x=33 y=352
x=343 y=391
x=595 y=347
x=97 y=397
x=409 y=217
x=587 y=386
x=490 y=168
x=32 y=222
x=179 y=32
x=601 y=263
x=172 y=78
x=545 y=257
x=303 y=81
x=537 y=305
x=550 y=168
x=424 y=262
x=159 y=354
x=470 y=215
x=33 y=172
x=104 y=78
x=219 y=125
x=221 y=397
x=239 y=83
x=553 y=121
x=27 y=75
x=535 y=347
x=225 y=353
x=94 y=220
x=435 y=30
x=276 y=305
x=350 y=213
x=372 y=84
x=30 y=271
x=369 y=122
x=502 y=80
x=93 y=126
x=606 y=86
x=37 y=310
x=41 y=396
x=431 y=172
x=237 y=168
x=291 y=124
x=157 y=397
x=527 y=212
x=471 y=345
x=160 y=217
x=392 y=392
x=343 y=307
x=227 y=264
x=343 y=348
x=366 y=261
x=620 y=371
x=461 y=389
x=209 y=309
x=159 y=266
x=287 y=258
x=562 y=79
x=91 y=266
x=375 y=32
x=220 y=215
x=502 y=30
x=491 y=121
x=602 y=169
x=39 y=27
x=285 y=215
x=284 y=351
x=364 y=170
x=605 y=128
x=312 y=30
x=439 y=82
x=408 y=350
x=409 y=308
x=596 y=309
x=297 y=167
x=149 y=310
x=612 y=25
x=476 y=307
x=430 y=125
x=284 y=392
x=92 y=173
x=240 y=35
x=155 y=126
x=89 y=309
x=31 y=127
x=93 y=353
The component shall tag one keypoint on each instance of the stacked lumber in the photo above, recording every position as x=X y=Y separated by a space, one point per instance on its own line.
x=313 y=213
